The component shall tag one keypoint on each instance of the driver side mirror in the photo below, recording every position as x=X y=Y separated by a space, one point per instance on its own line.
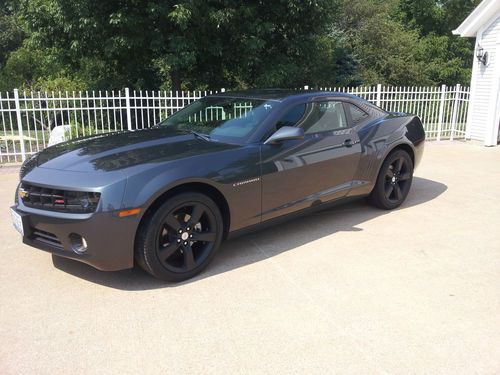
x=285 y=133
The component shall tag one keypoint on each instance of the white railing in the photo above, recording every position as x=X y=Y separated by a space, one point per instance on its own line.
x=443 y=110
x=27 y=118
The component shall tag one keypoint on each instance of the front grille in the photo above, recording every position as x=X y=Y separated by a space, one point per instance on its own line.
x=58 y=200
x=46 y=238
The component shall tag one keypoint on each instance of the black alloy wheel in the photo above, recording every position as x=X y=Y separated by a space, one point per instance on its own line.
x=186 y=237
x=180 y=238
x=397 y=177
x=394 y=181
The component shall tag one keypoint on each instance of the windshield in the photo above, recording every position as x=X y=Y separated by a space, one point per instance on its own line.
x=222 y=119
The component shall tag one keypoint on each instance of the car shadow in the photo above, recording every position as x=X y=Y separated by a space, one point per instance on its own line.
x=245 y=250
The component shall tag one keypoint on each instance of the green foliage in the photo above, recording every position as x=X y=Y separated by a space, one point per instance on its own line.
x=435 y=16
x=77 y=130
x=408 y=42
x=449 y=57
x=386 y=51
x=11 y=36
x=192 y=44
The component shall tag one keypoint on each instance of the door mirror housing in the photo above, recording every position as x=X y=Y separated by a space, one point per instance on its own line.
x=285 y=133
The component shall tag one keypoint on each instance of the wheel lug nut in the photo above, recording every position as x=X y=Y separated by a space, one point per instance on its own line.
x=179 y=240
x=185 y=243
x=190 y=236
x=180 y=230
x=187 y=228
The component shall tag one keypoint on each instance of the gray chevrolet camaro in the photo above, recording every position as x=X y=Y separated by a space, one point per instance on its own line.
x=167 y=196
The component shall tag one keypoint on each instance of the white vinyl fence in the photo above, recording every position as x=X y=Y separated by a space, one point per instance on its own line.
x=26 y=118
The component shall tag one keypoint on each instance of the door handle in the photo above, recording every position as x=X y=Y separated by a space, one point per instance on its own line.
x=348 y=143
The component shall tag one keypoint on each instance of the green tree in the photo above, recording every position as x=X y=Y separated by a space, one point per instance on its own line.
x=449 y=57
x=195 y=44
x=408 y=42
x=191 y=43
x=385 y=50
x=436 y=16
x=11 y=35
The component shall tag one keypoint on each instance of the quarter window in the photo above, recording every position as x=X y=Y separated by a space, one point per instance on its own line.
x=316 y=117
x=357 y=115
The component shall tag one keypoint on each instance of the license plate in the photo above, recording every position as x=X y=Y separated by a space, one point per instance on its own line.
x=17 y=221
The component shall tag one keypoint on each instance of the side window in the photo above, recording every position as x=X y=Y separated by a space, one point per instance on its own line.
x=357 y=115
x=292 y=117
x=316 y=117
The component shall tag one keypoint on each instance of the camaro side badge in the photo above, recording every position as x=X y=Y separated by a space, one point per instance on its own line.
x=246 y=182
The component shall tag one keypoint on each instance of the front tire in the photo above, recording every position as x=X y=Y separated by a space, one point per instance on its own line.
x=179 y=239
x=394 y=181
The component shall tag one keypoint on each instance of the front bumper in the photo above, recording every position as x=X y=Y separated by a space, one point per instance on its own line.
x=110 y=239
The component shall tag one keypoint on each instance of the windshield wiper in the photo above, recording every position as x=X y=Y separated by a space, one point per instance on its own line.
x=205 y=137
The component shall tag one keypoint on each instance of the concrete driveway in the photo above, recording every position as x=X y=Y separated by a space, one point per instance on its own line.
x=349 y=290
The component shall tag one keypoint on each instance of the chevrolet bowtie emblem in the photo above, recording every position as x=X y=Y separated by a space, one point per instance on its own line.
x=23 y=193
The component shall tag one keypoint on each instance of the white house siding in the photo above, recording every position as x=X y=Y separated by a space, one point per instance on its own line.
x=483 y=82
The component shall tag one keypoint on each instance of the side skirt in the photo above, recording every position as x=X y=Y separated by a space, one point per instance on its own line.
x=293 y=215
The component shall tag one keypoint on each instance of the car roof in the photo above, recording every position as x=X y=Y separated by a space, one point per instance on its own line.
x=279 y=94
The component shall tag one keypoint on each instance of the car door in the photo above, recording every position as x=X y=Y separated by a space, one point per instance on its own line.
x=297 y=174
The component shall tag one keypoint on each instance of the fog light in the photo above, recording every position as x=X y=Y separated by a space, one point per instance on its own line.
x=78 y=243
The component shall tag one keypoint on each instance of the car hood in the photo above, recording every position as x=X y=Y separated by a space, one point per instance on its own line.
x=113 y=151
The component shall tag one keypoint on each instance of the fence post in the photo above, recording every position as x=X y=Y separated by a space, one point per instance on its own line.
x=19 y=124
x=455 y=110
x=441 y=112
x=379 y=94
x=127 y=103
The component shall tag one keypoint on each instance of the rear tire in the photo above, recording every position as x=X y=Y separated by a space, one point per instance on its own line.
x=394 y=181
x=179 y=239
